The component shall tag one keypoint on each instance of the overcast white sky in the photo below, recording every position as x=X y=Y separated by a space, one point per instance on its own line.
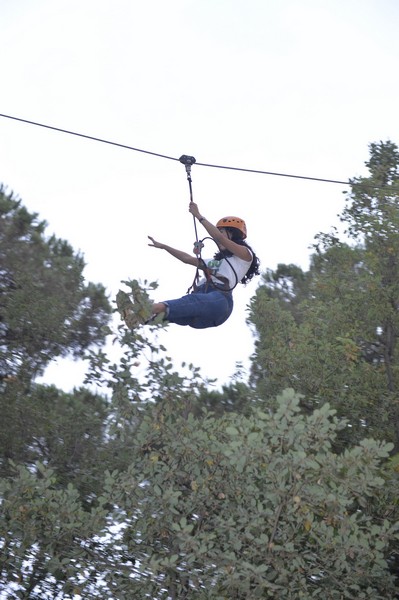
x=292 y=86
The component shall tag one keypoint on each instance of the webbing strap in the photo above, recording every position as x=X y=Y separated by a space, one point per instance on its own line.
x=188 y=161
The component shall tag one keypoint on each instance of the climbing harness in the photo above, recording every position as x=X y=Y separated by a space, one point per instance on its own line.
x=188 y=162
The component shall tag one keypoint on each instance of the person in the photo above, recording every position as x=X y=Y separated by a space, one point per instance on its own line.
x=211 y=302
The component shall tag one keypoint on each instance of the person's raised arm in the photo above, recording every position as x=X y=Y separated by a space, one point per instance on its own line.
x=179 y=254
x=221 y=240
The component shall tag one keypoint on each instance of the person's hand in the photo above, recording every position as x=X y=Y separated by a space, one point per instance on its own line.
x=155 y=244
x=193 y=208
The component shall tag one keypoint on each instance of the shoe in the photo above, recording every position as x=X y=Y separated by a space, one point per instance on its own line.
x=133 y=313
x=125 y=307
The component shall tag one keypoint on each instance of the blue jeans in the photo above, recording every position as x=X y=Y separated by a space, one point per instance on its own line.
x=206 y=307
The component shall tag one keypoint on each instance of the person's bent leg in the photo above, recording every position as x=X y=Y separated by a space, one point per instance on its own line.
x=199 y=310
x=158 y=308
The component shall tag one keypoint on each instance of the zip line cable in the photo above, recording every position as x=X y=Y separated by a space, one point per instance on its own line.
x=104 y=141
x=87 y=137
x=276 y=174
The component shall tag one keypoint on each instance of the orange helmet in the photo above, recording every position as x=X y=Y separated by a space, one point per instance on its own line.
x=235 y=223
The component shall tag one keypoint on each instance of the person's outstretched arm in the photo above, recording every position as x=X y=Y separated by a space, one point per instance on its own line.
x=179 y=254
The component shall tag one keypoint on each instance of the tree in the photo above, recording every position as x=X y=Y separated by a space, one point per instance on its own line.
x=47 y=436
x=46 y=308
x=331 y=333
x=45 y=535
x=256 y=506
x=65 y=432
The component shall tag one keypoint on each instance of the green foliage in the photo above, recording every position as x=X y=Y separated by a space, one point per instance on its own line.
x=234 y=397
x=237 y=507
x=255 y=506
x=57 y=440
x=63 y=431
x=331 y=332
x=46 y=309
x=46 y=535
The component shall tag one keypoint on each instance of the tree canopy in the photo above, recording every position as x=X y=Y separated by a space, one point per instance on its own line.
x=331 y=332
x=47 y=310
